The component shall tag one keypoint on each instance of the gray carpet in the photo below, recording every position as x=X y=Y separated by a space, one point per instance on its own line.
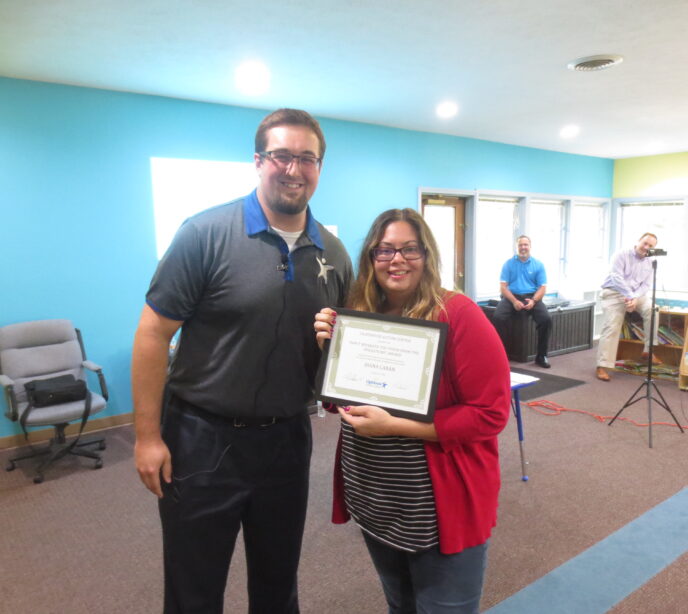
x=89 y=541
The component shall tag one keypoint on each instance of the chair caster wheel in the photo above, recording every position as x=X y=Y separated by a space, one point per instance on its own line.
x=38 y=479
x=102 y=445
x=10 y=466
x=99 y=463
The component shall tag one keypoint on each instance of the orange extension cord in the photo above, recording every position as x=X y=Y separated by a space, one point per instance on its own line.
x=549 y=408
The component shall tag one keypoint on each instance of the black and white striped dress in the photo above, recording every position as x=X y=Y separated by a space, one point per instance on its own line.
x=388 y=491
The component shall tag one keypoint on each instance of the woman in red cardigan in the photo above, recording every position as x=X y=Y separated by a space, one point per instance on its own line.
x=424 y=495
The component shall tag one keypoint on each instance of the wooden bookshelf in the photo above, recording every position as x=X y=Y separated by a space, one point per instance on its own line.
x=671 y=346
x=683 y=368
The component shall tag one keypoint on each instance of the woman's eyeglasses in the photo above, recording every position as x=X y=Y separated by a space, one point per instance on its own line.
x=409 y=252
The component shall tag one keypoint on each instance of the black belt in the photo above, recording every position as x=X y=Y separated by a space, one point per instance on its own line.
x=239 y=423
x=261 y=423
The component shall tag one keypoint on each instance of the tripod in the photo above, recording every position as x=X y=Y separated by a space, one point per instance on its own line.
x=649 y=383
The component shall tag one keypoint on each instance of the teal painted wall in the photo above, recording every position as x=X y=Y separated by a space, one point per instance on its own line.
x=77 y=234
x=371 y=168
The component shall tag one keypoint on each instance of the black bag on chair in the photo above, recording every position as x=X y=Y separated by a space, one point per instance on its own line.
x=55 y=390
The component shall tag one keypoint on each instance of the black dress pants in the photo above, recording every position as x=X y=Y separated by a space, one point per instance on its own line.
x=226 y=477
x=543 y=321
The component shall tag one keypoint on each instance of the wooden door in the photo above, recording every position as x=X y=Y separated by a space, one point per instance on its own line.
x=446 y=216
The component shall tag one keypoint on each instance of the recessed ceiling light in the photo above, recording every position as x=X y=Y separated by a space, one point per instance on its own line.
x=252 y=78
x=595 y=62
x=569 y=132
x=447 y=109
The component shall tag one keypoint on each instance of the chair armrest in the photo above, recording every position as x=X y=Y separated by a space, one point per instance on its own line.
x=92 y=366
x=8 y=385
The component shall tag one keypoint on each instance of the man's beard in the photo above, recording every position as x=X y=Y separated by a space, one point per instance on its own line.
x=288 y=207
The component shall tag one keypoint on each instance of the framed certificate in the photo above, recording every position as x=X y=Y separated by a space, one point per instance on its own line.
x=388 y=361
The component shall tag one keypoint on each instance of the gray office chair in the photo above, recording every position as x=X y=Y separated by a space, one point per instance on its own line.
x=39 y=350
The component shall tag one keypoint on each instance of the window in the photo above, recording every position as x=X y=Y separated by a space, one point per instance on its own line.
x=587 y=262
x=496 y=222
x=668 y=220
x=546 y=227
x=184 y=187
x=570 y=236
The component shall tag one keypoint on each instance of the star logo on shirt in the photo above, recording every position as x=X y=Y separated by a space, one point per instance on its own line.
x=324 y=268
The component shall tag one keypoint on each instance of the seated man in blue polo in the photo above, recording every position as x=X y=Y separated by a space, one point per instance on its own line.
x=523 y=282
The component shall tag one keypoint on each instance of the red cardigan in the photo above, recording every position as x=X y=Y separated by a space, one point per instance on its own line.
x=472 y=407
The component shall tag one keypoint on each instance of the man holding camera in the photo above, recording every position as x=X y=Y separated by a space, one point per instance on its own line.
x=626 y=290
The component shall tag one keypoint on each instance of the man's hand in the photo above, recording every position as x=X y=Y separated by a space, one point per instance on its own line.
x=631 y=304
x=518 y=305
x=324 y=322
x=148 y=373
x=153 y=458
x=529 y=304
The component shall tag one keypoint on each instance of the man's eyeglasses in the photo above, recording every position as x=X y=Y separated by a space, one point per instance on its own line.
x=284 y=159
x=409 y=252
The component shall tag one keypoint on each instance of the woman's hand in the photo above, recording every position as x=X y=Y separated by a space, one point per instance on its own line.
x=372 y=421
x=369 y=420
x=324 y=322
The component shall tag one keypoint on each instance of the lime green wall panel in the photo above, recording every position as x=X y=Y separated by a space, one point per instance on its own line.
x=651 y=176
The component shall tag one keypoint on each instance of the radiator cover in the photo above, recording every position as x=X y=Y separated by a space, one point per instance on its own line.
x=572 y=329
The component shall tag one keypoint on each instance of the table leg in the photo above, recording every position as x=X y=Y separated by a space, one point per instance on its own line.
x=516 y=406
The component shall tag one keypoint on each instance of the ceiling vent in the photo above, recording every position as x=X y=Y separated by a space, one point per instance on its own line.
x=594 y=62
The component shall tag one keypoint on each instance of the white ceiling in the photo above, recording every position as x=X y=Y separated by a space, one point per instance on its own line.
x=385 y=62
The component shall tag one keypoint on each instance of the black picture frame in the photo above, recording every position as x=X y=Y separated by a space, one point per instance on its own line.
x=388 y=361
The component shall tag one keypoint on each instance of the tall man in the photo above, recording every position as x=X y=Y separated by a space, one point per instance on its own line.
x=625 y=290
x=243 y=281
x=522 y=284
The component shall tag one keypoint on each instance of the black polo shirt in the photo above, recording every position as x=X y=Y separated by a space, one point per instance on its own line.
x=247 y=346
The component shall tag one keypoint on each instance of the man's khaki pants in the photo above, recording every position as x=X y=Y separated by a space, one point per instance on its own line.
x=614 y=309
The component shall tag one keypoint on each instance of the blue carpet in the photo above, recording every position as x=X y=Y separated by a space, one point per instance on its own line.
x=601 y=576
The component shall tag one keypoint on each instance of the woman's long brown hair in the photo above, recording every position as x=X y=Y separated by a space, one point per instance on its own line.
x=366 y=294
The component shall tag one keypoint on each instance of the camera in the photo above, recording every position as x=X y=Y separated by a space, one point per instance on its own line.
x=656 y=252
